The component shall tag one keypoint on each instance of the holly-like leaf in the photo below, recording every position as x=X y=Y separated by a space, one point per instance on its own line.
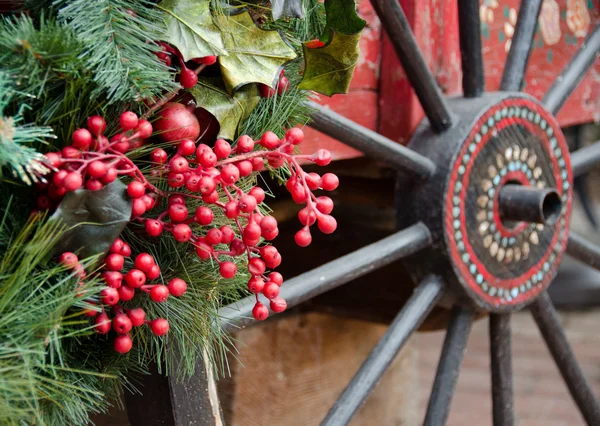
x=342 y=17
x=254 y=55
x=191 y=29
x=229 y=111
x=329 y=68
x=287 y=9
x=95 y=219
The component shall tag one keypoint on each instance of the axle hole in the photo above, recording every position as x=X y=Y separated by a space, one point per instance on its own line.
x=551 y=207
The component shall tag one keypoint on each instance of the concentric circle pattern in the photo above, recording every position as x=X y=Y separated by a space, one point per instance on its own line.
x=501 y=264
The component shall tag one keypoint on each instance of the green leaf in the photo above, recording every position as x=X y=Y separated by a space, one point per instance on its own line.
x=287 y=9
x=329 y=68
x=255 y=55
x=191 y=29
x=95 y=219
x=229 y=111
x=342 y=18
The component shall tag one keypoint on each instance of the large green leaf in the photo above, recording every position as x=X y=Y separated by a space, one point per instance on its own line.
x=191 y=29
x=229 y=111
x=255 y=55
x=329 y=68
x=342 y=18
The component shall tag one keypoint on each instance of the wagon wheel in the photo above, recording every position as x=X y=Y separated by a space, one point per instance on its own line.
x=486 y=187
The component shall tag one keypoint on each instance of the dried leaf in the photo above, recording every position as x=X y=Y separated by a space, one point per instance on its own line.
x=254 y=55
x=95 y=218
x=191 y=29
x=229 y=111
x=329 y=68
x=287 y=9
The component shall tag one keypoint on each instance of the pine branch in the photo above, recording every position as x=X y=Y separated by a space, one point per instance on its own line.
x=119 y=37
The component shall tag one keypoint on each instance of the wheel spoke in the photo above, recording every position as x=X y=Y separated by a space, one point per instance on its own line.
x=335 y=273
x=547 y=320
x=394 y=21
x=406 y=322
x=451 y=358
x=501 y=357
x=520 y=48
x=583 y=250
x=585 y=159
x=470 y=48
x=369 y=142
x=573 y=72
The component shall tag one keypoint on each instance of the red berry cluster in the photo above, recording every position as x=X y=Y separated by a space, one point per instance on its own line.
x=187 y=77
x=282 y=86
x=121 y=288
x=92 y=161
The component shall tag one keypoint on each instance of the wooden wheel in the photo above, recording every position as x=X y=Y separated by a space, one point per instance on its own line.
x=486 y=199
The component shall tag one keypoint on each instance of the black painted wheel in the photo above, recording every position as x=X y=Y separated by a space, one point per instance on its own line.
x=487 y=206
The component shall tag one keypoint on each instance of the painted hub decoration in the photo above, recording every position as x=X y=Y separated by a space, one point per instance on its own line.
x=507 y=264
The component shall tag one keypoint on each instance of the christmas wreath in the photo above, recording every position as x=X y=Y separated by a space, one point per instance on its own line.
x=133 y=135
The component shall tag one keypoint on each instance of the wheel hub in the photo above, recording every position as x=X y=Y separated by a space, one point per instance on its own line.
x=500 y=139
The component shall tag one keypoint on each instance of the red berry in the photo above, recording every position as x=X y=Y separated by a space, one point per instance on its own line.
x=268 y=224
x=322 y=157
x=126 y=293
x=208 y=60
x=256 y=266
x=258 y=194
x=148 y=201
x=314 y=44
x=260 y=312
x=137 y=316
x=270 y=140
x=159 y=293
x=245 y=144
x=204 y=215
x=122 y=343
x=283 y=86
x=82 y=138
x=327 y=224
x=153 y=228
x=176 y=123
x=178 y=212
x=210 y=198
x=271 y=290
x=276 y=278
x=229 y=174
x=245 y=168
x=43 y=202
x=204 y=250
x=135 y=278
x=96 y=169
x=214 y=236
x=176 y=199
x=110 y=296
x=247 y=203
x=227 y=234
x=125 y=250
x=303 y=237
x=160 y=326
x=324 y=205
x=59 y=177
x=182 y=232
x=227 y=269
x=159 y=156
x=307 y=217
x=102 y=323
x=232 y=209
x=96 y=124
x=114 y=262
x=251 y=233
x=188 y=78
x=222 y=149
x=176 y=180
x=153 y=273
x=237 y=247
x=144 y=262
x=268 y=253
x=274 y=263
x=138 y=207
x=113 y=279
x=90 y=312
x=73 y=181
x=177 y=287
x=192 y=182
x=295 y=136
x=186 y=147
x=68 y=259
x=54 y=159
x=256 y=284
x=144 y=129
x=136 y=189
x=299 y=194
x=122 y=324
x=70 y=152
x=257 y=164
x=278 y=304
x=179 y=165
x=109 y=176
x=206 y=185
x=329 y=181
x=117 y=246
x=266 y=91
x=313 y=181
x=128 y=120
x=94 y=185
